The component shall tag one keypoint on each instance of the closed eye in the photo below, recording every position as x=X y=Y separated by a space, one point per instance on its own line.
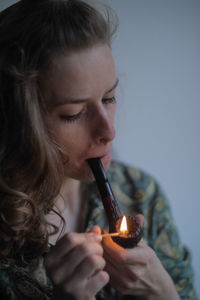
x=71 y=118
x=109 y=100
x=76 y=117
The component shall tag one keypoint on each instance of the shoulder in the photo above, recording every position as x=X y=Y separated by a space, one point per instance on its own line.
x=10 y=276
x=6 y=289
x=136 y=190
x=132 y=180
x=18 y=283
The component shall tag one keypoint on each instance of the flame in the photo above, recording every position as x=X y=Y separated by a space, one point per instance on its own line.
x=123 y=226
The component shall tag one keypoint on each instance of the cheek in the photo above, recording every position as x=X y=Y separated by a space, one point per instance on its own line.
x=112 y=118
x=112 y=112
x=77 y=168
x=73 y=143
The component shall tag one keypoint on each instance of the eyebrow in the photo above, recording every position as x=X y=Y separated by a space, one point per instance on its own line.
x=78 y=101
x=113 y=87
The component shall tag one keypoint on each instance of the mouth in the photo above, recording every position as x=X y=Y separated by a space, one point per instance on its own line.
x=105 y=159
x=105 y=156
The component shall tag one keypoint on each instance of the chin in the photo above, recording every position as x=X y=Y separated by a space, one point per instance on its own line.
x=83 y=173
x=88 y=179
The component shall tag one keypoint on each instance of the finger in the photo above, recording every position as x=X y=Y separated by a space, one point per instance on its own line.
x=126 y=270
x=116 y=281
x=128 y=279
x=89 y=267
x=66 y=244
x=95 y=229
x=111 y=267
x=111 y=247
x=114 y=268
x=133 y=256
x=88 y=288
x=80 y=253
x=115 y=253
x=140 y=219
x=67 y=266
x=97 y=282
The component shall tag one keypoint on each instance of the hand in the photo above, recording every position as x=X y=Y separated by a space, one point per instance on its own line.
x=138 y=271
x=75 y=265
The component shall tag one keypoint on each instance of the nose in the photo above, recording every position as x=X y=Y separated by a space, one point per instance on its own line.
x=103 y=127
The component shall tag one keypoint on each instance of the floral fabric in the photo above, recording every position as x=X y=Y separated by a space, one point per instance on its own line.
x=136 y=192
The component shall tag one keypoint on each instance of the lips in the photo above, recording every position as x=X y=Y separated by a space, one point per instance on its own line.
x=105 y=159
x=103 y=156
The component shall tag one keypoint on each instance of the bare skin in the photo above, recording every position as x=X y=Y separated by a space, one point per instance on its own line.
x=76 y=265
x=82 y=257
x=141 y=272
x=80 y=90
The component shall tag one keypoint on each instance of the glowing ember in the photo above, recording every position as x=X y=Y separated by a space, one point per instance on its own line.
x=123 y=226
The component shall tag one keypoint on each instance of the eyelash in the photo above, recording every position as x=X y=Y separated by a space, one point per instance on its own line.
x=73 y=118
x=109 y=100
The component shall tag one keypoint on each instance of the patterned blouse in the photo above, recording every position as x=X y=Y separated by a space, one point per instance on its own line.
x=136 y=192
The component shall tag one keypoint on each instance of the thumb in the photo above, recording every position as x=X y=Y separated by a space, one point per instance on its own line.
x=140 y=219
x=95 y=229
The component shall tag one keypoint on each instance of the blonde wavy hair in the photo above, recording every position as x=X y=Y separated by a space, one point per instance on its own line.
x=31 y=34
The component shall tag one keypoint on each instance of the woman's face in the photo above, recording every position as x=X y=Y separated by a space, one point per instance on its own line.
x=80 y=91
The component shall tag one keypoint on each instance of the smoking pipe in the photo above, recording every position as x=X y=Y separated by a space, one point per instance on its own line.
x=112 y=209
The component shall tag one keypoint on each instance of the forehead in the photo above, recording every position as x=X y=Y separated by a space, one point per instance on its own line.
x=86 y=73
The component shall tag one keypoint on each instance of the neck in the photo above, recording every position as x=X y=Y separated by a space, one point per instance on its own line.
x=70 y=194
x=70 y=205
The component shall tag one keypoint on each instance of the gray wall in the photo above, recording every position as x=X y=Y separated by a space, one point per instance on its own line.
x=5 y=3
x=157 y=54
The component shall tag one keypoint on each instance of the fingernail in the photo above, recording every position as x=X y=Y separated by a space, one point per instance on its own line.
x=96 y=237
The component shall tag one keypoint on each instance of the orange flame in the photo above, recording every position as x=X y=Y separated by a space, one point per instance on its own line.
x=123 y=226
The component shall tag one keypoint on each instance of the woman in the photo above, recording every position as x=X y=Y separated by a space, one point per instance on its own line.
x=57 y=83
